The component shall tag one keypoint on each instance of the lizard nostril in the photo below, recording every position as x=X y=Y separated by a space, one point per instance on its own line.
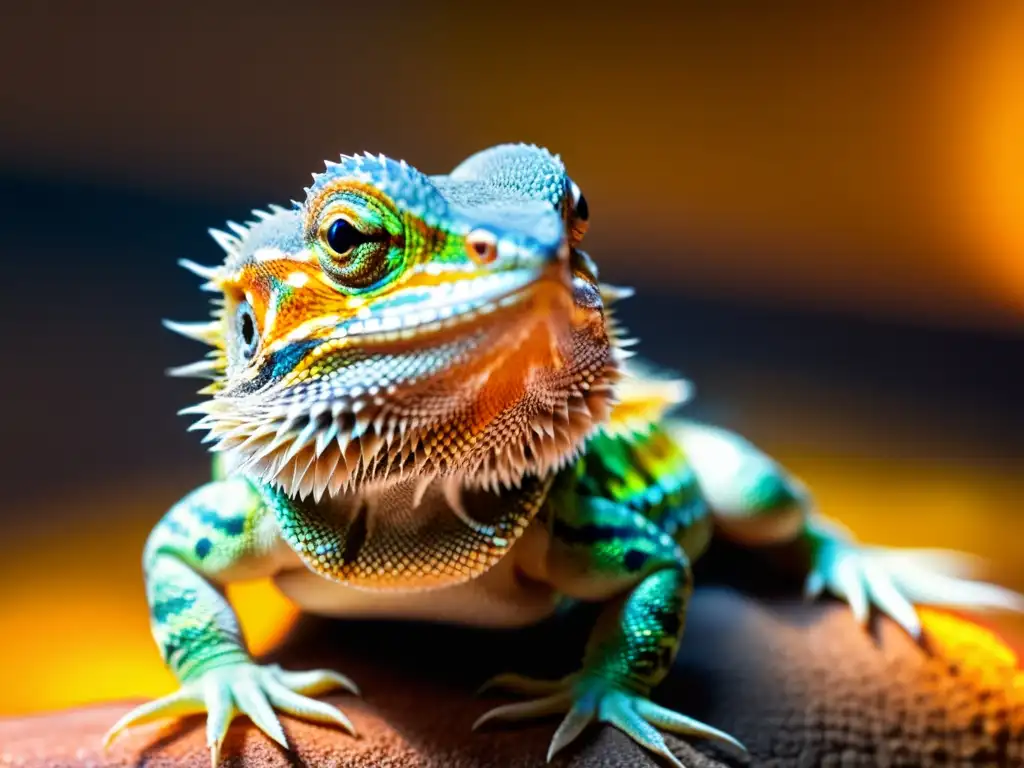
x=482 y=246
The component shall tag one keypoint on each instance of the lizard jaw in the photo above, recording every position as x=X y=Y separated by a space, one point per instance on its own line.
x=518 y=389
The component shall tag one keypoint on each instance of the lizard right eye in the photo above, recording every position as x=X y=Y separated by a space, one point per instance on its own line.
x=579 y=213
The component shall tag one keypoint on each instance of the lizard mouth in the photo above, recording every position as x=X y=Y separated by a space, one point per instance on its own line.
x=425 y=391
x=412 y=314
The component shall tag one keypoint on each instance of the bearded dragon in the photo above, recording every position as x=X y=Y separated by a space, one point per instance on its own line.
x=422 y=406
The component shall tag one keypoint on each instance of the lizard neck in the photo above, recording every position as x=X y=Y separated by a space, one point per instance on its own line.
x=407 y=536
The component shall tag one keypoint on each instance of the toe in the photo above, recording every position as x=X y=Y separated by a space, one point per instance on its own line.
x=252 y=701
x=220 y=707
x=177 y=704
x=315 y=681
x=579 y=717
x=679 y=723
x=296 y=704
x=814 y=585
x=521 y=684
x=549 y=705
x=618 y=710
x=846 y=582
x=890 y=600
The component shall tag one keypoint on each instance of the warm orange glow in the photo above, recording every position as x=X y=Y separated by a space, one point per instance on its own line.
x=266 y=615
x=987 y=95
x=979 y=654
x=74 y=627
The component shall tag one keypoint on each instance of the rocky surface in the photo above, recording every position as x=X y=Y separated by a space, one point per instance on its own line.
x=800 y=684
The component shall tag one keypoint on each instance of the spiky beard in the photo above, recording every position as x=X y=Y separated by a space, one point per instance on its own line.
x=483 y=407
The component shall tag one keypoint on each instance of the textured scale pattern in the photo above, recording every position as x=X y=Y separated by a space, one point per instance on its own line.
x=420 y=391
x=390 y=542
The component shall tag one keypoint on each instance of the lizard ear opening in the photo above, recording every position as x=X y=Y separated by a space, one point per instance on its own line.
x=246 y=330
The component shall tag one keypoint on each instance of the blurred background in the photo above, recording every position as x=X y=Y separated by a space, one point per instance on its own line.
x=821 y=206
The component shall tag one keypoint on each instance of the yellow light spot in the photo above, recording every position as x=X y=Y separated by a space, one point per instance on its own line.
x=297 y=279
x=264 y=613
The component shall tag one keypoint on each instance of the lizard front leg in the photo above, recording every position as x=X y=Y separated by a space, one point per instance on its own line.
x=602 y=550
x=220 y=532
x=756 y=502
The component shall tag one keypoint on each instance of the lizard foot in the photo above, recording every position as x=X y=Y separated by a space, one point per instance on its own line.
x=246 y=689
x=894 y=580
x=588 y=699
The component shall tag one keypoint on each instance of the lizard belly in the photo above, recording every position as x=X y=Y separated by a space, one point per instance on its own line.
x=502 y=596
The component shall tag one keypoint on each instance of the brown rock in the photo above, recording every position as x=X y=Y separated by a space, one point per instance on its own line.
x=800 y=685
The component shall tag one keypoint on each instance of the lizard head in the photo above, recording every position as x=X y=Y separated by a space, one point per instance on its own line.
x=398 y=326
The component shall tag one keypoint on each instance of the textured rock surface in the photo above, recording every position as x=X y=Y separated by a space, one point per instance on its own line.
x=800 y=685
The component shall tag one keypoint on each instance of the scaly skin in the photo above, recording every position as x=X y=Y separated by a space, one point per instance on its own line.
x=417 y=381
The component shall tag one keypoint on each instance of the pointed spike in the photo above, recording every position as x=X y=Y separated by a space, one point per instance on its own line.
x=325 y=437
x=211 y=274
x=369 y=445
x=361 y=426
x=203 y=408
x=229 y=243
x=241 y=231
x=300 y=442
x=207 y=333
x=611 y=293
x=262 y=215
x=202 y=369
x=420 y=489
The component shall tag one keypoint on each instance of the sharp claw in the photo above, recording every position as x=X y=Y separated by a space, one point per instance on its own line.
x=317 y=681
x=940 y=589
x=618 y=712
x=287 y=700
x=571 y=727
x=181 y=702
x=520 y=684
x=586 y=699
x=679 y=723
x=549 y=705
x=253 y=702
x=225 y=692
x=890 y=601
x=846 y=581
x=814 y=585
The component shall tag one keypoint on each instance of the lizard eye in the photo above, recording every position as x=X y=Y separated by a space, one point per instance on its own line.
x=579 y=214
x=355 y=253
x=582 y=211
x=245 y=324
x=342 y=236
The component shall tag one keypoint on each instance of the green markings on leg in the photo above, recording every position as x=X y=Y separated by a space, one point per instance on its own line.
x=637 y=635
x=635 y=640
x=647 y=472
x=217 y=529
x=191 y=620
